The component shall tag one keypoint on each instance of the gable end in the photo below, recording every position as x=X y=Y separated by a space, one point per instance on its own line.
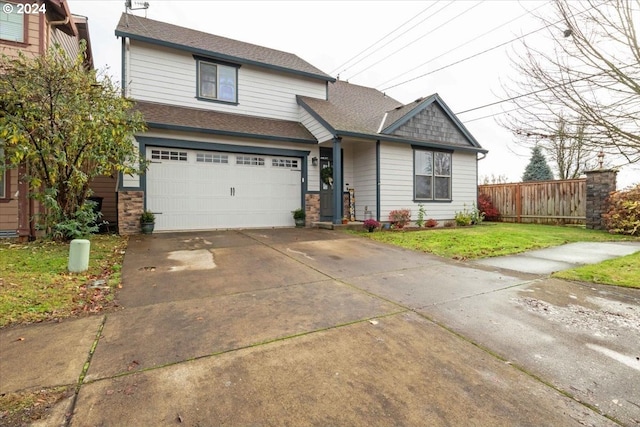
x=432 y=124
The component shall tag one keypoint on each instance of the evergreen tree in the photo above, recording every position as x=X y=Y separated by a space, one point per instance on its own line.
x=537 y=169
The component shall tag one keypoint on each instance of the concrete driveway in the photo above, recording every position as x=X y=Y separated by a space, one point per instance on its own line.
x=315 y=327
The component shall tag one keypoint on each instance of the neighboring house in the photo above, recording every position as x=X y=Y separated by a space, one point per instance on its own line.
x=33 y=33
x=239 y=135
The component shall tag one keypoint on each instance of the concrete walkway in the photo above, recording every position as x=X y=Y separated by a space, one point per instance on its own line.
x=315 y=327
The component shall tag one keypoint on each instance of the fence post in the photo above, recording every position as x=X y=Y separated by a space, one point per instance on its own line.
x=600 y=183
x=518 y=203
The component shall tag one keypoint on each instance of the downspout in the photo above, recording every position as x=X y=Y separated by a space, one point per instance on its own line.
x=337 y=180
x=484 y=155
x=378 y=180
x=55 y=24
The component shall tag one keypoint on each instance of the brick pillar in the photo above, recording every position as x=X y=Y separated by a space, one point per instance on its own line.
x=130 y=207
x=312 y=208
x=600 y=183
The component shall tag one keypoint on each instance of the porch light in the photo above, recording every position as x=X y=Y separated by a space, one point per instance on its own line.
x=314 y=161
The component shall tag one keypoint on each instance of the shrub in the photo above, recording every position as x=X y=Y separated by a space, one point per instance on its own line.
x=469 y=217
x=80 y=224
x=400 y=217
x=623 y=216
x=371 y=223
x=431 y=223
x=485 y=205
x=449 y=224
x=463 y=218
x=421 y=214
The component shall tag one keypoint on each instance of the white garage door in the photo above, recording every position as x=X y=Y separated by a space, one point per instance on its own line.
x=197 y=190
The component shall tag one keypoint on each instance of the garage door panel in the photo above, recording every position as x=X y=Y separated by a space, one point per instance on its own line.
x=193 y=190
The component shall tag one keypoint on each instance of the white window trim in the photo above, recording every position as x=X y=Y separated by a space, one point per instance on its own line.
x=433 y=197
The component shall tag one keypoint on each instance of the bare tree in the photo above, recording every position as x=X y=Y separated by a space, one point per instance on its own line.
x=580 y=94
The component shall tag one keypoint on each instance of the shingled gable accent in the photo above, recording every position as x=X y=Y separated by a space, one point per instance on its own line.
x=362 y=112
x=217 y=47
x=162 y=116
x=429 y=120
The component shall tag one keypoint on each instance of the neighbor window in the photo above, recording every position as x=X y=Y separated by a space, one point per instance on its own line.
x=217 y=82
x=11 y=24
x=432 y=176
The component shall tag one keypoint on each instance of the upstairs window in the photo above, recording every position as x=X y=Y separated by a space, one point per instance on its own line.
x=217 y=82
x=11 y=24
x=432 y=175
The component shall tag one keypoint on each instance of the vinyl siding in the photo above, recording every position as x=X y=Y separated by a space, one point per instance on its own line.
x=396 y=183
x=105 y=187
x=364 y=170
x=314 y=126
x=70 y=44
x=168 y=76
x=9 y=205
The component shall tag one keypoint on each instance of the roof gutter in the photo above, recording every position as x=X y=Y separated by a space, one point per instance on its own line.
x=438 y=145
x=215 y=55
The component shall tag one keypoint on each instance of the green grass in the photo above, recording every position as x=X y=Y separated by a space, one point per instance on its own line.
x=35 y=284
x=624 y=271
x=498 y=239
x=490 y=240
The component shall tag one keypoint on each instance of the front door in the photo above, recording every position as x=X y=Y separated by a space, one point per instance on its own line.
x=326 y=184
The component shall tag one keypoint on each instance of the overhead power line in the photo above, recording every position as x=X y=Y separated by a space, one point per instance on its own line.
x=513 y=98
x=464 y=59
x=481 y=53
x=384 y=37
x=399 y=35
x=416 y=40
x=460 y=45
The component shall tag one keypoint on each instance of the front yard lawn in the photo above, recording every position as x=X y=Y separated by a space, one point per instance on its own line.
x=36 y=286
x=624 y=271
x=497 y=239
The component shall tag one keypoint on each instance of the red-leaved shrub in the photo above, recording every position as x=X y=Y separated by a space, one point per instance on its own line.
x=623 y=216
x=400 y=217
x=485 y=205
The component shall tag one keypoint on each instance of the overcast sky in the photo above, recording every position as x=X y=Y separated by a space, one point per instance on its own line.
x=418 y=39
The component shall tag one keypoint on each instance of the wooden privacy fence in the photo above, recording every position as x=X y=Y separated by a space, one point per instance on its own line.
x=547 y=202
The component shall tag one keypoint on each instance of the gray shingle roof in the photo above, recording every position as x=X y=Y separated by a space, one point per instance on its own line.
x=193 y=119
x=206 y=44
x=352 y=108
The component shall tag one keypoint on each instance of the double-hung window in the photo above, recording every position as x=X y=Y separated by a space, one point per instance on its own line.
x=432 y=175
x=217 y=82
x=12 y=23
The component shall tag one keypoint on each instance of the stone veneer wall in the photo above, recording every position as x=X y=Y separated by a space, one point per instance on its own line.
x=130 y=207
x=312 y=208
x=600 y=183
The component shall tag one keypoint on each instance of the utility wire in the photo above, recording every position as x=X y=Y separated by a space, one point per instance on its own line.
x=384 y=37
x=416 y=40
x=568 y=82
x=464 y=59
x=481 y=53
x=460 y=45
x=400 y=35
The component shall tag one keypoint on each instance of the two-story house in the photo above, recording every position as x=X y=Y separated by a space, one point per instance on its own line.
x=32 y=27
x=240 y=135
